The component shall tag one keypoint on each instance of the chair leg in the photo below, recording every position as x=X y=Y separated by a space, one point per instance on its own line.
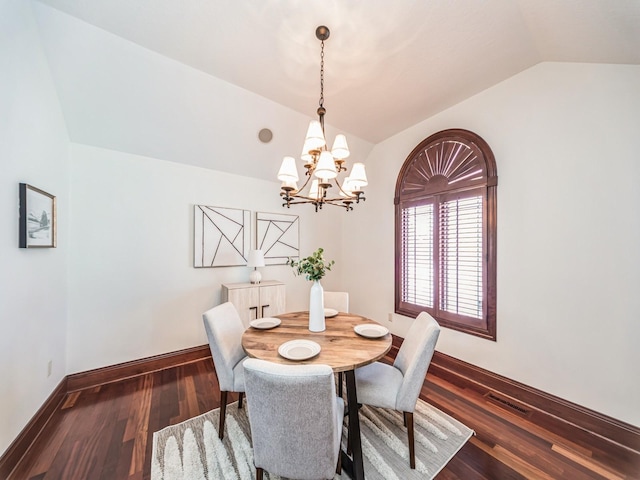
x=339 y=466
x=408 y=416
x=223 y=410
x=340 y=384
x=259 y=473
x=240 y=397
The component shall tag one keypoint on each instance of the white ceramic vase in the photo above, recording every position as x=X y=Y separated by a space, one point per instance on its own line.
x=316 y=307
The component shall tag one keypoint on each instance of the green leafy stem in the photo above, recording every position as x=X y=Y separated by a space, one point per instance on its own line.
x=313 y=267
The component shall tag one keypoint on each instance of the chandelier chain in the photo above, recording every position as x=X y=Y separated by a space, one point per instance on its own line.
x=321 y=73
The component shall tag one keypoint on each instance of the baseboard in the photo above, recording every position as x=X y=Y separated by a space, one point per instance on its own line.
x=582 y=425
x=101 y=376
x=122 y=371
x=30 y=432
x=556 y=414
x=88 y=379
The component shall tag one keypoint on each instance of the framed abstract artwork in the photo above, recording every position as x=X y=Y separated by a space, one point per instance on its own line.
x=278 y=236
x=37 y=228
x=222 y=236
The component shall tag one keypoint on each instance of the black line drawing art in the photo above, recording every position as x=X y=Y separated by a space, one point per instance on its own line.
x=278 y=236
x=221 y=236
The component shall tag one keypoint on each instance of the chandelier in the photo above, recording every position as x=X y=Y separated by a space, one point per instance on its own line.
x=322 y=186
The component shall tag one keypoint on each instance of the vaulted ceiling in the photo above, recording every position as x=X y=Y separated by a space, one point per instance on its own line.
x=388 y=64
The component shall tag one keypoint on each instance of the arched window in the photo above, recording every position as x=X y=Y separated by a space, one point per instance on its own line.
x=445 y=255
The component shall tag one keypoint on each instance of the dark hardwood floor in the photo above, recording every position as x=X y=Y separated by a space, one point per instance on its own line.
x=106 y=432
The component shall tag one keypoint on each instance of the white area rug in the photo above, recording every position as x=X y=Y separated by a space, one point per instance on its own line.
x=192 y=451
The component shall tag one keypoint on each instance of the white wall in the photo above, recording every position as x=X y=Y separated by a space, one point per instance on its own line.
x=133 y=290
x=33 y=292
x=565 y=141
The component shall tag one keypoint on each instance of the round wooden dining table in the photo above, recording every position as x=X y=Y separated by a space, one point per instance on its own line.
x=340 y=347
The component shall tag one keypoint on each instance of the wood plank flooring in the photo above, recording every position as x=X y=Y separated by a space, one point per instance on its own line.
x=105 y=433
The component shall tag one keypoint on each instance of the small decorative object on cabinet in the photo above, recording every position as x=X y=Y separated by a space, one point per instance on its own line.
x=256 y=259
x=266 y=299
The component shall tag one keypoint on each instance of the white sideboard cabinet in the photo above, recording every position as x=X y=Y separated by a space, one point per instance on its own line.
x=265 y=299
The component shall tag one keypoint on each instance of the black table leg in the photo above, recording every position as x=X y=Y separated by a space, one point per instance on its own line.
x=354 y=465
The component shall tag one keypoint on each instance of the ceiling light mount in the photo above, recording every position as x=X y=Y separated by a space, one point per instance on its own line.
x=322 y=165
x=322 y=33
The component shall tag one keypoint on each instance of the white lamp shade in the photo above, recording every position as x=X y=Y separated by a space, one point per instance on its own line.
x=288 y=171
x=293 y=186
x=256 y=258
x=340 y=148
x=314 y=191
x=326 y=167
x=305 y=155
x=347 y=188
x=358 y=175
x=315 y=136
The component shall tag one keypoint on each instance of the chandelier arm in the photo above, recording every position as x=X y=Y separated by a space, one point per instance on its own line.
x=336 y=202
x=342 y=205
x=297 y=202
x=340 y=188
x=305 y=199
x=309 y=177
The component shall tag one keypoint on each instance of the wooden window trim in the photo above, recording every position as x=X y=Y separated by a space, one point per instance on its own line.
x=419 y=182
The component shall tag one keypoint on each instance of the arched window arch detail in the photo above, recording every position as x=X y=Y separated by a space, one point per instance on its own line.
x=445 y=225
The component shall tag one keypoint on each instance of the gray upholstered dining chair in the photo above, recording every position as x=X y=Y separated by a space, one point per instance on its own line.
x=295 y=418
x=398 y=386
x=337 y=300
x=224 y=330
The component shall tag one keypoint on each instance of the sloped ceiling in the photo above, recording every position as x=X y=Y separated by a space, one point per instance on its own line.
x=388 y=64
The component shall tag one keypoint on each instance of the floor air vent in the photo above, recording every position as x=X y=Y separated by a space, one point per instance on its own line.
x=508 y=404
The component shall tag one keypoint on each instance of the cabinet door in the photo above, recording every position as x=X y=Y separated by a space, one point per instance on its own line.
x=247 y=302
x=272 y=300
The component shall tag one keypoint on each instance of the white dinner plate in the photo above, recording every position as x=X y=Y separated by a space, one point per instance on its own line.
x=370 y=330
x=330 y=312
x=299 y=349
x=265 y=323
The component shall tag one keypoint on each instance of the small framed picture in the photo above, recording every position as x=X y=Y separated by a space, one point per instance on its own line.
x=37 y=218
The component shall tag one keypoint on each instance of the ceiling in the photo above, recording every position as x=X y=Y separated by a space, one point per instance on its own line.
x=388 y=64
x=193 y=82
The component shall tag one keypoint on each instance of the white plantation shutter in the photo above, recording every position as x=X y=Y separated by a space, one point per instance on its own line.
x=461 y=256
x=417 y=255
x=456 y=247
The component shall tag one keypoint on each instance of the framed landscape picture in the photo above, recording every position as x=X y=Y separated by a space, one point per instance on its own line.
x=37 y=218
